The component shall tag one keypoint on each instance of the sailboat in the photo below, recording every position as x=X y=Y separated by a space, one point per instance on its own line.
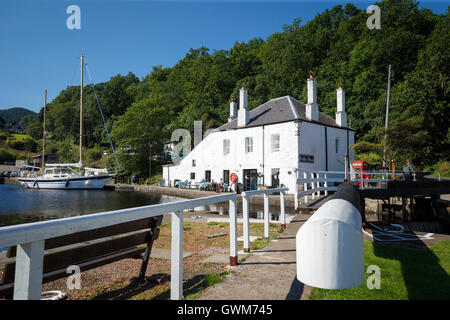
x=68 y=175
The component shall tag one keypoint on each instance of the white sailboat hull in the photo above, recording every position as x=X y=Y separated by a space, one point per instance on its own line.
x=89 y=182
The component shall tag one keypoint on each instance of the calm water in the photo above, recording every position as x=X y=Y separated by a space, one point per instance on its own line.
x=20 y=205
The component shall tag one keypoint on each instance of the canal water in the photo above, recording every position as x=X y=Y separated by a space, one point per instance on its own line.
x=20 y=205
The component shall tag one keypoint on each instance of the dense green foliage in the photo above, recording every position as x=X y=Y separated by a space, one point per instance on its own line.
x=336 y=45
x=14 y=115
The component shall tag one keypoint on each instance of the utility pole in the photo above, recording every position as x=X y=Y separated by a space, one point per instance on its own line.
x=43 y=132
x=387 y=117
x=150 y=162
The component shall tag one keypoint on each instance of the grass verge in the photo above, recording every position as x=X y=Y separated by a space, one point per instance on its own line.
x=406 y=274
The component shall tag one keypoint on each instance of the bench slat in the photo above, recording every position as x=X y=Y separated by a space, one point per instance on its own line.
x=6 y=290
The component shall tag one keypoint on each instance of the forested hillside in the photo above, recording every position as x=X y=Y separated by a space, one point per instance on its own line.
x=336 y=45
x=14 y=115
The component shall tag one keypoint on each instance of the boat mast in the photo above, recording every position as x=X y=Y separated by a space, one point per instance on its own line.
x=43 y=133
x=81 y=112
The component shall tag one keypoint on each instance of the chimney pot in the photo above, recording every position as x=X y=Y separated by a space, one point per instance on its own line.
x=243 y=115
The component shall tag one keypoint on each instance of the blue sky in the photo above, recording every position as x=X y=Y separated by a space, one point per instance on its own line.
x=38 y=52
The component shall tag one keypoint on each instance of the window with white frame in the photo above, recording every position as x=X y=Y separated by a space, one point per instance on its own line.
x=337 y=145
x=248 y=144
x=226 y=147
x=275 y=142
x=193 y=163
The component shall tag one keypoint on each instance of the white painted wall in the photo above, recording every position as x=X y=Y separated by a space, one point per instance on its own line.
x=208 y=154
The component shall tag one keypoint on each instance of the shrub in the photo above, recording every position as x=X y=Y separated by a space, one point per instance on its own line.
x=15 y=144
x=94 y=154
x=6 y=155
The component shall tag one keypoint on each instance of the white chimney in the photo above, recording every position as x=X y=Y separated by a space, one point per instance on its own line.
x=312 y=109
x=341 y=115
x=233 y=110
x=243 y=116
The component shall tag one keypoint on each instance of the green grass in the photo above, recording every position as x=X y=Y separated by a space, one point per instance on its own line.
x=406 y=274
x=21 y=136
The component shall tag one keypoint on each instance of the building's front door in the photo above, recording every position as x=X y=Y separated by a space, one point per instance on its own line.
x=208 y=176
x=226 y=176
x=275 y=178
x=250 y=179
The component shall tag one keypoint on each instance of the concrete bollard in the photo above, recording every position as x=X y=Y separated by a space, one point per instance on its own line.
x=330 y=247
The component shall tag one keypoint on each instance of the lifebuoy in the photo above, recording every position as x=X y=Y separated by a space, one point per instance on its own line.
x=233 y=177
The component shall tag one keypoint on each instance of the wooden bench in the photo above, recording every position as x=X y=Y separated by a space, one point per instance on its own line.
x=88 y=250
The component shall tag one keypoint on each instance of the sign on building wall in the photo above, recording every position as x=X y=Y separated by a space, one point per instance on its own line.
x=307 y=158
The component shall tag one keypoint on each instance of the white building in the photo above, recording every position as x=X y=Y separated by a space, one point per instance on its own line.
x=269 y=144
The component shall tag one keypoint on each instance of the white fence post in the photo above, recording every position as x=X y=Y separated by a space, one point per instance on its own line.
x=326 y=184
x=305 y=186
x=296 y=193
x=233 y=231
x=318 y=184
x=313 y=195
x=28 y=274
x=176 y=269
x=282 y=211
x=245 y=217
x=266 y=215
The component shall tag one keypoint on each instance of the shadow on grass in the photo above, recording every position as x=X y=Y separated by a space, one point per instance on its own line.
x=137 y=286
x=423 y=275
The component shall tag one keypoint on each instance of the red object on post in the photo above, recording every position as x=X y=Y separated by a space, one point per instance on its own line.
x=360 y=166
x=233 y=177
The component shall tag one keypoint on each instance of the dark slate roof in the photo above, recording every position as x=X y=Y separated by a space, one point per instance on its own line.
x=279 y=110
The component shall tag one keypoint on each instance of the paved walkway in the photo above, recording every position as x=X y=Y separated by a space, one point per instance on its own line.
x=275 y=266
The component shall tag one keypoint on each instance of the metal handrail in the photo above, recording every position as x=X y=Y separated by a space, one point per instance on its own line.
x=30 y=239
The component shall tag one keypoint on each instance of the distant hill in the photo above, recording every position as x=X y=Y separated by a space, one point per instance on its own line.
x=14 y=115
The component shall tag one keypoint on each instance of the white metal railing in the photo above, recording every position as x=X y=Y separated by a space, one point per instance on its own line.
x=315 y=182
x=245 y=211
x=30 y=239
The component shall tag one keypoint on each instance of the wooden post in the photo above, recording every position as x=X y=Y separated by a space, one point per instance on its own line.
x=233 y=232
x=393 y=169
x=282 y=211
x=326 y=184
x=266 y=215
x=29 y=268
x=312 y=186
x=176 y=260
x=245 y=216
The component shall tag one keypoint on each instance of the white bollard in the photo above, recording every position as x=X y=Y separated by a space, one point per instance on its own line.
x=330 y=247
